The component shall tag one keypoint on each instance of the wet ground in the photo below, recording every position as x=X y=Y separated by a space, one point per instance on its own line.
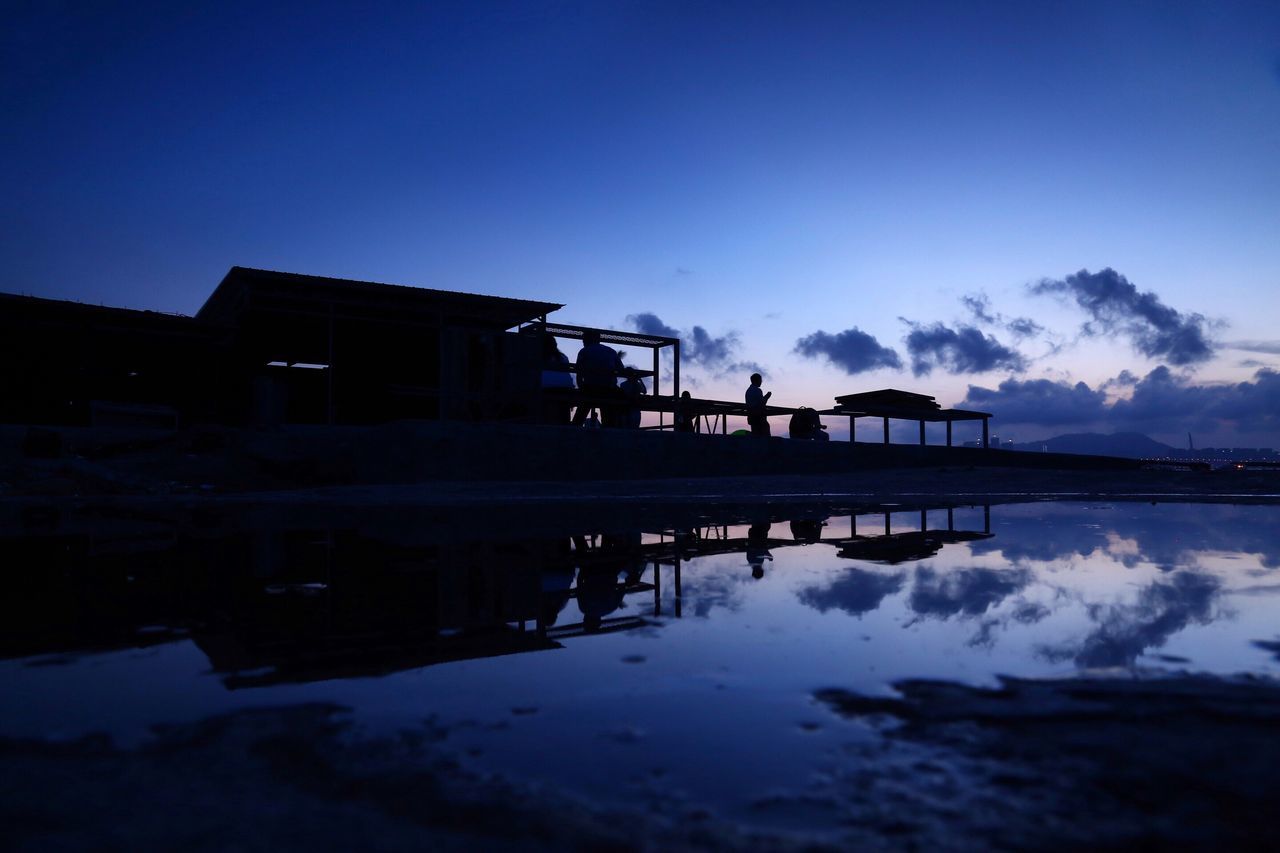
x=757 y=672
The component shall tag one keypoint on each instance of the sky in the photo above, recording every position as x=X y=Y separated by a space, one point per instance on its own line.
x=1064 y=213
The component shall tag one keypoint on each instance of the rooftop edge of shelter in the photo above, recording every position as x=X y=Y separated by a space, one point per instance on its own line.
x=608 y=336
x=246 y=276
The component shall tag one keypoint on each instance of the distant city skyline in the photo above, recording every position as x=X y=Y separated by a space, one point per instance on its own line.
x=1066 y=214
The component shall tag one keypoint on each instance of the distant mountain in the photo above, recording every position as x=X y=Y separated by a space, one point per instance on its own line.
x=1130 y=444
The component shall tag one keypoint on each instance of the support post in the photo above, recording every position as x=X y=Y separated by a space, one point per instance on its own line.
x=986 y=440
x=886 y=430
x=922 y=433
x=662 y=416
x=677 y=584
x=948 y=433
x=675 y=370
x=986 y=518
x=853 y=422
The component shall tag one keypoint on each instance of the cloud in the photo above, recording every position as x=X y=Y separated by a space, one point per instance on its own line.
x=1024 y=327
x=698 y=347
x=1126 y=631
x=1161 y=399
x=856 y=591
x=964 y=591
x=853 y=350
x=1039 y=401
x=1268 y=347
x=650 y=324
x=979 y=305
x=1114 y=304
x=962 y=350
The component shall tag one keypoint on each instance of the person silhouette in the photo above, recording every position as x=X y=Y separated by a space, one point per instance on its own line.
x=597 y=368
x=758 y=548
x=683 y=415
x=756 y=400
x=632 y=389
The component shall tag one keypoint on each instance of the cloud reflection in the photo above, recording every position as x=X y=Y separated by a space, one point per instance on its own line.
x=857 y=591
x=1126 y=631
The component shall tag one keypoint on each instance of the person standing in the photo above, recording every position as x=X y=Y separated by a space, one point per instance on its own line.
x=684 y=413
x=632 y=389
x=756 y=401
x=597 y=368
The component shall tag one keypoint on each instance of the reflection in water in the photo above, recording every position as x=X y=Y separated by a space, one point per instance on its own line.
x=1126 y=631
x=271 y=604
x=971 y=592
x=646 y=644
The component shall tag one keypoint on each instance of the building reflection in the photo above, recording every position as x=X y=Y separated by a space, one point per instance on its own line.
x=278 y=605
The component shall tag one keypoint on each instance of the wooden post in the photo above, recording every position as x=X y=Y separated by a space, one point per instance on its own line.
x=886 y=522
x=924 y=520
x=886 y=430
x=986 y=518
x=922 y=433
x=986 y=441
x=948 y=433
x=951 y=518
x=853 y=422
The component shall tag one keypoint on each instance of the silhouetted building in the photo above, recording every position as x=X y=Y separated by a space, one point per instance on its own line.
x=269 y=347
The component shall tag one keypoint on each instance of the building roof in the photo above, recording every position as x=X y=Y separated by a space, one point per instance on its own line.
x=610 y=336
x=29 y=313
x=244 y=290
x=887 y=397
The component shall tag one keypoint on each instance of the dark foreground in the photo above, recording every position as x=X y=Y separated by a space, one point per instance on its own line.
x=1178 y=763
x=1118 y=758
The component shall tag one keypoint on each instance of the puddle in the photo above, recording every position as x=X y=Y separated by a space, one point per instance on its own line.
x=705 y=663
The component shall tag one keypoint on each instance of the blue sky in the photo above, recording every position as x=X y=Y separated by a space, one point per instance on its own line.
x=990 y=203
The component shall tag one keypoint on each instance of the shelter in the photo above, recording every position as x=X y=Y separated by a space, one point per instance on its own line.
x=312 y=349
x=890 y=403
x=71 y=363
x=270 y=347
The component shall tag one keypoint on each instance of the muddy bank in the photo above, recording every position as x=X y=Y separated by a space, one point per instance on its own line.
x=1184 y=762
x=65 y=461
x=1176 y=762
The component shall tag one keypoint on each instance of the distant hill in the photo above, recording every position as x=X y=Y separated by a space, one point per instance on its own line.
x=1133 y=445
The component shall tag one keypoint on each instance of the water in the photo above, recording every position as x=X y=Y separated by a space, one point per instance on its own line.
x=656 y=654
